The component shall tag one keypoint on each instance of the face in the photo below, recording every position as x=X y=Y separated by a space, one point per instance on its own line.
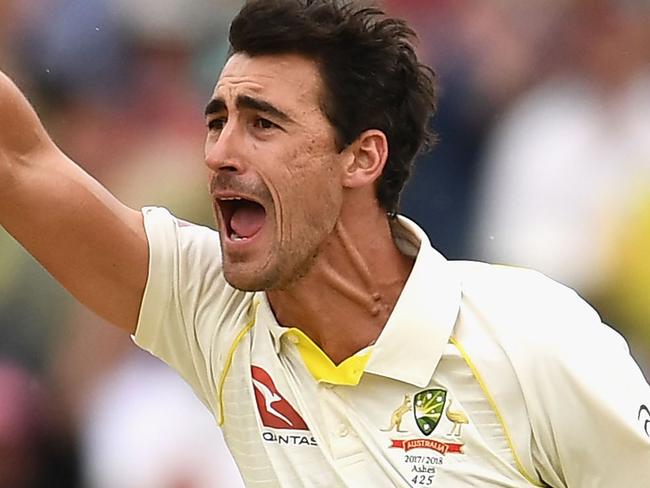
x=275 y=172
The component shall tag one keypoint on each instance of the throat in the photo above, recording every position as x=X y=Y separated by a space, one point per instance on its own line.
x=338 y=316
x=343 y=303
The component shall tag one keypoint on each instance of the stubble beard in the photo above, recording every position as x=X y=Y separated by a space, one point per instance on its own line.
x=290 y=258
x=283 y=269
x=280 y=273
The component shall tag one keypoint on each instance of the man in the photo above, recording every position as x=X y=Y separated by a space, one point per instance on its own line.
x=334 y=346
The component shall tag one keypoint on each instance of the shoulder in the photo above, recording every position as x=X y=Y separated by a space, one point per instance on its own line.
x=177 y=236
x=516 y=286
x=160 y=220
x=577 y=379
x=185 y=259
x=554 y=340
x=523 y=307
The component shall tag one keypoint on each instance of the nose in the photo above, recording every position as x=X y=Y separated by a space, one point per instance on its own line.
x=223 y=153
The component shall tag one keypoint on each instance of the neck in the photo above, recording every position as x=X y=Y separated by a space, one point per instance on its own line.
x=345 y=299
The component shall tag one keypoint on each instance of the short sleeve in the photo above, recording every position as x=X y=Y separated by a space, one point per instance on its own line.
x=589 y=413
x=584 y=394
x=189 y=313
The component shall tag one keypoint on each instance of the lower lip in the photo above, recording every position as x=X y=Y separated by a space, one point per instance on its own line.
x=242 y=243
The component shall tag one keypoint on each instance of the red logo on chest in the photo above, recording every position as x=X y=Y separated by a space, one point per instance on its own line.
x=275 y=411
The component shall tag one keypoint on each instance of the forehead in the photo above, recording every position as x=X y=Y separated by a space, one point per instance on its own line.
x=286 y=79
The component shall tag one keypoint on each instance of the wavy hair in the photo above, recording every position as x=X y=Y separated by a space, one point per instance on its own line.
x=371 y=73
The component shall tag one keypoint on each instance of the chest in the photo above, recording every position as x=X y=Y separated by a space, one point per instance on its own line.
x=286 y=429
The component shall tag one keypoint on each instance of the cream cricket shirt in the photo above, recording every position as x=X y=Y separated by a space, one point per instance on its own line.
x=484 y=376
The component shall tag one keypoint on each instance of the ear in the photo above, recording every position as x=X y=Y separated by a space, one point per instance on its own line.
x=366 y=158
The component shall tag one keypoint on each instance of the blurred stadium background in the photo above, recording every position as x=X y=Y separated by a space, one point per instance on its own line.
x=543 y=161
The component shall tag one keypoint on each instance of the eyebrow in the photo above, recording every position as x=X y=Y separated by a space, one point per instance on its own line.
x=247 y=102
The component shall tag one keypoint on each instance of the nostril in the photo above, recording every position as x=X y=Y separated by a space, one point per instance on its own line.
x=223 y=166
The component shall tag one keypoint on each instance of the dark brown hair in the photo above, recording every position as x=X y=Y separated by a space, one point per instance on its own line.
x=371 y=74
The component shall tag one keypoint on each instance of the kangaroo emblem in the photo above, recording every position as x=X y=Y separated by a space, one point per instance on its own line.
x=398 y=413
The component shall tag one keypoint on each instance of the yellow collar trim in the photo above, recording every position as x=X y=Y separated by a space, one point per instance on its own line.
x=321 y=367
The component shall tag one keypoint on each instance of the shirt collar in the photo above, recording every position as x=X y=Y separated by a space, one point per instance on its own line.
x=265 y=316
x=417 y=331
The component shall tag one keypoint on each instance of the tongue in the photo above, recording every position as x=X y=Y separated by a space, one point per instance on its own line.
x=247 y=219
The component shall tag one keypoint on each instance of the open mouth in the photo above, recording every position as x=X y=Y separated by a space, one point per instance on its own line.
x=242 y=219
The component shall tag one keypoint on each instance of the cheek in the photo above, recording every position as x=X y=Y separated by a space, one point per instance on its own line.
x=314 y=177
x=306 y=185
x=319 y=195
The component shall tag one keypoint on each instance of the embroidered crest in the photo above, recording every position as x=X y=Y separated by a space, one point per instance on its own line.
x=428 y=407
x=421 y=457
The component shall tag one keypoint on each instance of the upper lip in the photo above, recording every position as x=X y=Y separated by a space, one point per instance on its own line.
x=230 y=195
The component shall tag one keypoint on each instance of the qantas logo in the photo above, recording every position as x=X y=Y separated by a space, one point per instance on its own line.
x=275 y=411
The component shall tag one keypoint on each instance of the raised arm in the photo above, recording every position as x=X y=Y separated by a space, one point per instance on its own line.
x=91 y=243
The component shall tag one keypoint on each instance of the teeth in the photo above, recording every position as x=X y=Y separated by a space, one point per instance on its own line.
x=235 y=237
x=231 y=198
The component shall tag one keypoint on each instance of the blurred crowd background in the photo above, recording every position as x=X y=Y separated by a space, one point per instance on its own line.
x=543 y=161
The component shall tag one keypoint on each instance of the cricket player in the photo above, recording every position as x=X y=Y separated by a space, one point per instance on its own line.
x=334 y=346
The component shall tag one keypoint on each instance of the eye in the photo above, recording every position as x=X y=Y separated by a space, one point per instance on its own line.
x=261 y=123
x=217 y=123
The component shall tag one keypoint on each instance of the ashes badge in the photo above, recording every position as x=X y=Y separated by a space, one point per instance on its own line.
x=439 y=427
x=427 y=408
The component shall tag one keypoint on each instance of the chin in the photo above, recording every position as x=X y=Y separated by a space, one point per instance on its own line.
x=279 y=274
x=248 y=280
